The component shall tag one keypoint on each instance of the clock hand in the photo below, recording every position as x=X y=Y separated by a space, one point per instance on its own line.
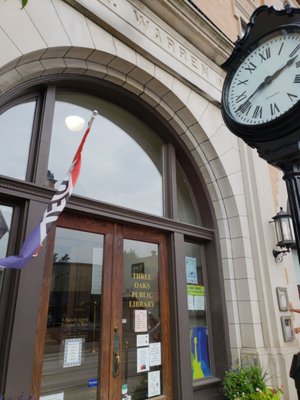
x=278 y=72
x=268 y=79
x=259 y=87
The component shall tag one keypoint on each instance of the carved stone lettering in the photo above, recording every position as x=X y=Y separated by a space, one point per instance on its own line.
x=141 y=20
x=157 y=35
x=164 y=39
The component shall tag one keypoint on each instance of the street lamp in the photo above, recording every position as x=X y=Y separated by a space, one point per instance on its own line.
x=284 y=232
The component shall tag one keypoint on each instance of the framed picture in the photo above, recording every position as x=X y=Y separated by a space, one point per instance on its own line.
x=282 y=297
x=138 y=268
x=287 y=328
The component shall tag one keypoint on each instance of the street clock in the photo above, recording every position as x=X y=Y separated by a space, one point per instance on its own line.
x=261 y=92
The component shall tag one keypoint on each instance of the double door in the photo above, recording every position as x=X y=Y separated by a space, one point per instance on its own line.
x=103 y=330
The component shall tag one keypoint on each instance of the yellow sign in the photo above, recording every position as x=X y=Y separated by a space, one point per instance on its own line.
x=195 y=290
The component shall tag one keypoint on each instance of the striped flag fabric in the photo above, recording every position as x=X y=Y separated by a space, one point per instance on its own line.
x=34 y=241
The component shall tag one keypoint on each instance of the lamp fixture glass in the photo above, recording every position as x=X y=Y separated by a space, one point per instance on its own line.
x=284 y=233
x=74 y=122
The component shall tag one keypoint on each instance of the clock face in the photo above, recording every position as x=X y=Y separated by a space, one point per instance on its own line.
x=266 y=84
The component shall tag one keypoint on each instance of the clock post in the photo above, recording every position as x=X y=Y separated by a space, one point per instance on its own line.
x=291 y=176
x=261 y=94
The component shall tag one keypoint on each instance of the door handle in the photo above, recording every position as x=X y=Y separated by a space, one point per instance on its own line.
x=116 y=353
x=116 y=363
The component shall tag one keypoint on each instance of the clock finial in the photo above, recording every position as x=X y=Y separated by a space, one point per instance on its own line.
x=287 y=6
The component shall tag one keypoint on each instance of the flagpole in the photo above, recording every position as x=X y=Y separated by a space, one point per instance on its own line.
x=78 y=152
x=93 y=116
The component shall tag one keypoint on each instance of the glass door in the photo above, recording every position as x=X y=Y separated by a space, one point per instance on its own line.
x=106 y=324
x=141 y=322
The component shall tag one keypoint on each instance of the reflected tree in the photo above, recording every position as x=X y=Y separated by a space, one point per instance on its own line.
x=62 y=260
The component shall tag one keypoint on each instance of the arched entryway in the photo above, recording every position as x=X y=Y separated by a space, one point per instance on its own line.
x=127 y=281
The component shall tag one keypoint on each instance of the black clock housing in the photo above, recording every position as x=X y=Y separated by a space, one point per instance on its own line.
x=283 y=131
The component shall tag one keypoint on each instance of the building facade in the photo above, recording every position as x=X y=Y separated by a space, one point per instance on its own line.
x=159 y=275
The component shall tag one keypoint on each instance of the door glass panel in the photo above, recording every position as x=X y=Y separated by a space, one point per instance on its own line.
x=198 y=346
x=16 y=128
x=5 y=223
x=141 y=344
x=122 y=157
x=72 y=338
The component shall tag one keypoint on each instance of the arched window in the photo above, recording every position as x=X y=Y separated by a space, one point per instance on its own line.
x=122 y=158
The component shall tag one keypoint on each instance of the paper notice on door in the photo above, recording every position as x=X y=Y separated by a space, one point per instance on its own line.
x=142 y=340
x=73 y=352
x=140 y=321
x=196 y=297
x=154 y=383
x=54 y=396
x=142 y=361
x=155 y=354
x=199 y=303
x=191 y=270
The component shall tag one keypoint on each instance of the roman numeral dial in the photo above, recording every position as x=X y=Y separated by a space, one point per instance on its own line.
x=266 y=83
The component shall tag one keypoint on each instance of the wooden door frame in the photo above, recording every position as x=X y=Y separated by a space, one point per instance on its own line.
x=111 y=314
x=76 y=222
x=153 y=236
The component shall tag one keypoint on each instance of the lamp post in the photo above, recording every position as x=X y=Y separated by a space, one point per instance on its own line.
x=284 y=233
x=292 y=178
x=287 y=159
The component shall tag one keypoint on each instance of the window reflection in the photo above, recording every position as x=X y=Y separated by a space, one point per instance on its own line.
x=198 y=329
x=5 y=223
x=16 y=128
x=121 y=160
x=186 y=210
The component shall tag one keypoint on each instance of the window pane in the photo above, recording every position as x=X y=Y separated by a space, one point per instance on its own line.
x=186 y=210
x=16 y=128
x=72 y=337
x=141 y=358
x=121 y=160
x=5 y=223
x=200 y=361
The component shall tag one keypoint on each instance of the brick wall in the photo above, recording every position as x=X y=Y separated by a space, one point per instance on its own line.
x=227 y=14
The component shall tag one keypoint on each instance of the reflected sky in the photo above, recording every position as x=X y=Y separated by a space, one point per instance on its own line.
x=16 y=128
x=80 y=247
x=121 y=160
